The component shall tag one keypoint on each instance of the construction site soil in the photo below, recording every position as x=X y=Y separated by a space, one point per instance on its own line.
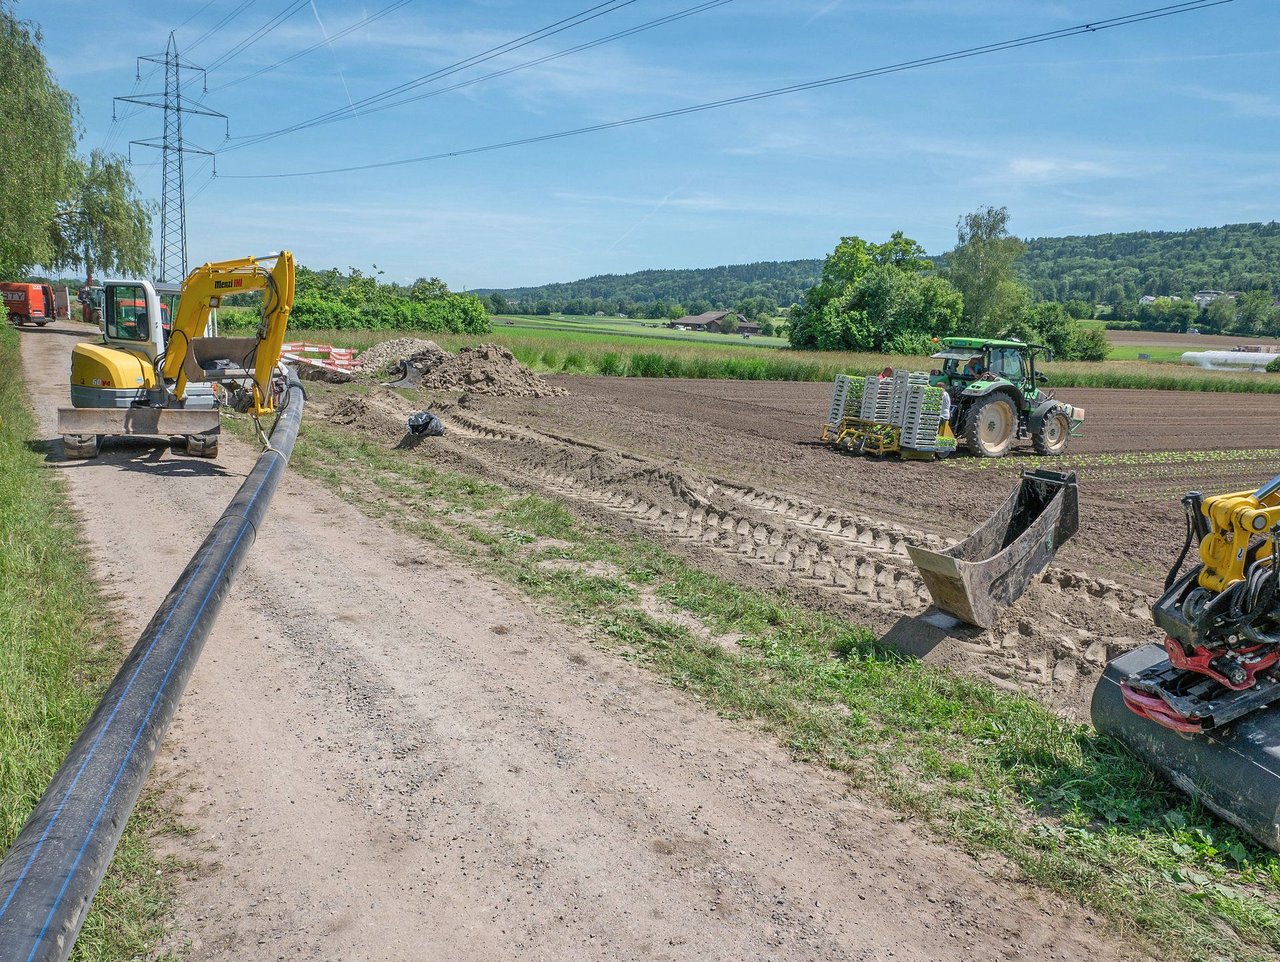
x=731 y=475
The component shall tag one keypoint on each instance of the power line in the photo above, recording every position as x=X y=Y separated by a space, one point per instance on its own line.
x=630 y=31
x=173 y=208
x=1095 y=27
x=244 y=5
x=315 y=46
x=194 y=15
x=113 y=131
x=290 y=10
x=577 y=19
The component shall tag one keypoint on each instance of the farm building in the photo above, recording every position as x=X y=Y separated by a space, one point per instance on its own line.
x=713 y=321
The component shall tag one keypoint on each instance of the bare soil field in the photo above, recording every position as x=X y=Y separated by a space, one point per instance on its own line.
x=1192 y=342
x=383 y=755
x=731 y=474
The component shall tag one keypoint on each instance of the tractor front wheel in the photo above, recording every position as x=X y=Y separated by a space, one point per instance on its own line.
x=1050 y=436
x=992 y=424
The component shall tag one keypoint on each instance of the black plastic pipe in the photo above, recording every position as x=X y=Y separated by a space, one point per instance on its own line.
x=50 y=874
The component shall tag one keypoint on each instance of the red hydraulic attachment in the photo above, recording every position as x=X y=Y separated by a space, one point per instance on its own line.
x=1156 y=709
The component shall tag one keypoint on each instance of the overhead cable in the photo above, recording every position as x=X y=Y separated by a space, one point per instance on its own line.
x=291 y=9
x=1086 y=28
x=577 y=19
x=373 y=17
x=630 y=31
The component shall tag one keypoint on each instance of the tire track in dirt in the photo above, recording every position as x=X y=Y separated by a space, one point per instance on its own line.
x=384 y=755
x=1052 y=644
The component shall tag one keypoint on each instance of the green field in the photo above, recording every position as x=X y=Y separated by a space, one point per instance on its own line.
x=616 y=327
x=625 y=347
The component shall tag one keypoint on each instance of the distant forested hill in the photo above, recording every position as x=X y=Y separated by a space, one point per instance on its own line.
x=1237 y=257
x=1096 y=268
x=783 y=282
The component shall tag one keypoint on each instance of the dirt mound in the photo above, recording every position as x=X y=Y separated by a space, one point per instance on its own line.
x=484 y=369
x=379 y=358
x=378 y=414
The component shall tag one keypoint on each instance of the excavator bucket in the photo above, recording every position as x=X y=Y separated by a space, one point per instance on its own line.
x=989 y=570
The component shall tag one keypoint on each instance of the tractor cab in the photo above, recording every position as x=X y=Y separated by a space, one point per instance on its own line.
x=996 y=395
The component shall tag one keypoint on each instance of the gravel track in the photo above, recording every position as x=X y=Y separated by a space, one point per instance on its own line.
x=384 y=756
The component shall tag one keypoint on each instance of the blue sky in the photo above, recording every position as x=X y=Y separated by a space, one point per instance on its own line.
x=1169 y=124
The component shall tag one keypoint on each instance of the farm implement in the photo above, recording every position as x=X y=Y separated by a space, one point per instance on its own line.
x=985 y=396
x=897 y=414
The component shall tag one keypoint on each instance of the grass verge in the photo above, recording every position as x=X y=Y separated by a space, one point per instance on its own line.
x=994 y=773
x=58 y=652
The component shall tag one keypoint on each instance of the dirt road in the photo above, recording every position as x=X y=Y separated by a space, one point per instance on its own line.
x=384 y=756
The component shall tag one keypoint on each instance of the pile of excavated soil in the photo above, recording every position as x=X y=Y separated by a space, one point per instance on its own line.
x=379 y=358
x=484 y=369
x=379 y=414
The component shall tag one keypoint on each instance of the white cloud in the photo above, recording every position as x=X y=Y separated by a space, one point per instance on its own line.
x=1054 y=169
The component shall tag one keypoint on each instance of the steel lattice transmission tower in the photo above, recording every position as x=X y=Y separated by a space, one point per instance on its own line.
x=173 y=201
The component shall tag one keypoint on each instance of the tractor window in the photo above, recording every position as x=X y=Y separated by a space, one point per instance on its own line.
x=1007 y=362
x=126 y=315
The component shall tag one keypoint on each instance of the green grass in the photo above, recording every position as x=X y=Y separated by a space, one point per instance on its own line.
x=58 y=651
x=1164 y=355
x=991 y=772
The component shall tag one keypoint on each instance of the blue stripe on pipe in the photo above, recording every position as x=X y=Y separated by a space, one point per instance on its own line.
x=89 y=756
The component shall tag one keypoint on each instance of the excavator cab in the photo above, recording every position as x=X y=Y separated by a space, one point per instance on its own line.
x=152 y=373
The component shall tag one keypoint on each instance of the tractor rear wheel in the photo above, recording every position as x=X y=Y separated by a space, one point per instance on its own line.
x=1050 y=436
x=991 y=427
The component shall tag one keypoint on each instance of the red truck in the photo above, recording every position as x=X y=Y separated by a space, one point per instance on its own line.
x=29 y=303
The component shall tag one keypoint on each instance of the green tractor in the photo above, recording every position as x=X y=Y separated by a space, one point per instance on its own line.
x=996 y=397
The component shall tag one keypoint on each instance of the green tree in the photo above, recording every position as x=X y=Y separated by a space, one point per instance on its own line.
x=428 y=289
x=1220 y=315
x=729 y=323
x=1256 y=315
x=875 y=297
x=37 y=144
x=103 y=225
x=981 y=268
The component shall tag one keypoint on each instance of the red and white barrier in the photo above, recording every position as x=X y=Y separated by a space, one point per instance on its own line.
x=330 y=358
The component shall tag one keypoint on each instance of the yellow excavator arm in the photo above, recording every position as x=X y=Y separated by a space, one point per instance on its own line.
x=239 y=359
x=1235 y=521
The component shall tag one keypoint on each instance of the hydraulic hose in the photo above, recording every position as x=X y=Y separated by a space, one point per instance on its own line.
x=50 y=874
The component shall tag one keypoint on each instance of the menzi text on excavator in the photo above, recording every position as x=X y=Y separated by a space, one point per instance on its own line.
x=151 y=377
x=1202 y=708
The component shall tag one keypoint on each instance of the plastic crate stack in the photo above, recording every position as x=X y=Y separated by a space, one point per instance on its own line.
x=922 y=418
x=877 y=399
x=848 y=395
x=902 y=393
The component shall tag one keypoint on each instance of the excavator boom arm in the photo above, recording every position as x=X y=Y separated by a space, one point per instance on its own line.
x=203 y=290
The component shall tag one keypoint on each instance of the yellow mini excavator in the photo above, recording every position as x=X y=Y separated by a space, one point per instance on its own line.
x=149 y=376
x=1204 y=707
